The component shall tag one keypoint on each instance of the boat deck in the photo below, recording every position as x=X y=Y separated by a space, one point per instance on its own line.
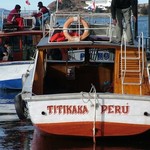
x=44 y=42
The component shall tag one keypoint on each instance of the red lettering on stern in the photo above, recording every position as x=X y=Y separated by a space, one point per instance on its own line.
x=67 y=109
x=114 y=109
x=82 y=109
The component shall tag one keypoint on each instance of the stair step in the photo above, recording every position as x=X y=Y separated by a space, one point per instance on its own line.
x=132 y=83
x=130 y=71
x=131 y=58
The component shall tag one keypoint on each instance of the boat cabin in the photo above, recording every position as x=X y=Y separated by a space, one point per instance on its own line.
x=74 y=65
x=88 y=63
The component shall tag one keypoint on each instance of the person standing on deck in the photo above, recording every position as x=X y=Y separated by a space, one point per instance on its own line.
x=14 y=17
x=41 y=16
x=121 y=13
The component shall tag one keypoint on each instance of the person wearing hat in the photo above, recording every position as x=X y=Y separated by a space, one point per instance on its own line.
x=42 y=15
x=14 y=17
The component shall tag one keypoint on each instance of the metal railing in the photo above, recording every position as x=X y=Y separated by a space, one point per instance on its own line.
x=29 y=20
x=99 y=23
x=139 y=58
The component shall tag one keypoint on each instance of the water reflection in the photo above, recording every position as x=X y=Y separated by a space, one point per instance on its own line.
x=41 y=142
x=15 y=135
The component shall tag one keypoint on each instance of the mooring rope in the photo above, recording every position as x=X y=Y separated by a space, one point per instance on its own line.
x=89 y=97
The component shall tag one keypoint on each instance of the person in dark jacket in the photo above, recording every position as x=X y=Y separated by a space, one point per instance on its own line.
x=42 y=15
x=121 y=13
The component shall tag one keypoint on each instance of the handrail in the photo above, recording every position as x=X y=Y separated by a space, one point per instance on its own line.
x=123 y=43
x=141 y=44
x=139 y=58
x=29 y=76
x=99 y=23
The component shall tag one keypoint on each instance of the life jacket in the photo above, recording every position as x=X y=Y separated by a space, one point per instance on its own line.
x=59 y=37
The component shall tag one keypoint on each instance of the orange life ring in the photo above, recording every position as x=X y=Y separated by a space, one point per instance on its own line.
x=75 y=38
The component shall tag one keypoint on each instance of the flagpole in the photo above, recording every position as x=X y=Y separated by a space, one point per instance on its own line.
x=94 y=5
x=56 y=5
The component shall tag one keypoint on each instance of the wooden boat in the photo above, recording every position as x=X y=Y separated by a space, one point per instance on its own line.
x=23 y=44
x=97 y=88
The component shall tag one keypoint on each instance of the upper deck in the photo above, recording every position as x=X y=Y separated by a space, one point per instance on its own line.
x=8 y=29
x=90 y=28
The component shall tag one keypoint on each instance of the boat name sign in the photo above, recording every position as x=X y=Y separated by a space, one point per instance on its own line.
x=83 y=109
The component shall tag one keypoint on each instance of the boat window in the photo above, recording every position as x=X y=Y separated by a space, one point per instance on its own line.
x=14 y=42
x=63 y=55
x=28 y=48
x=54 y=54
x=101 y=55
x=95 y=55
x=22 y=47
x=78 y=55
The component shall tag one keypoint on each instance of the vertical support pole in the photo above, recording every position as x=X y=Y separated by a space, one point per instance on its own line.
x=57 y=5
x=149 y=26
x=136 y=22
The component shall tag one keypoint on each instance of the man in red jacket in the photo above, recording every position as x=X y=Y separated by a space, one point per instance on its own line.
x=14 y=17
x=41 y=16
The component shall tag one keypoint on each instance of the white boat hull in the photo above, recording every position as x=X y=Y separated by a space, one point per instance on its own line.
x=11 y=73
x=104 y=115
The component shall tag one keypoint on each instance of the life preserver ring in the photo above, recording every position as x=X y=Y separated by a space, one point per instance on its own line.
x=20 y=107
x=75 y=38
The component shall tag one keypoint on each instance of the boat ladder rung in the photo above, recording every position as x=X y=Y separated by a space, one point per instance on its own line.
x=137 y=71
x=132 y=83
x=131 y=58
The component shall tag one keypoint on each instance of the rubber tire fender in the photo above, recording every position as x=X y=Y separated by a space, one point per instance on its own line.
x=20 y=107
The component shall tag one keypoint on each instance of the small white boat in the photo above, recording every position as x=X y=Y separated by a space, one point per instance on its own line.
x=101 y=91
x=22 y=46
x=11 y=73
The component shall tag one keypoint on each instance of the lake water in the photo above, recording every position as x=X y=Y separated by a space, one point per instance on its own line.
x=143 y=25
x=21 y=135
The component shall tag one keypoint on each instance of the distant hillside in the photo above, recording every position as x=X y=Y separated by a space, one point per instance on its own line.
x=78 y=5
x=2 y=9
x=68 y=5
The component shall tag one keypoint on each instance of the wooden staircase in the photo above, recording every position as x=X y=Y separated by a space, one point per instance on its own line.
x=132 y=69
x=130 y=76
